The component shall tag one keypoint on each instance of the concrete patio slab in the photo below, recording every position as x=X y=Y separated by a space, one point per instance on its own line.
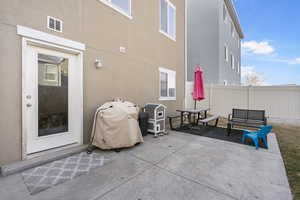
x=12 y=188
x=172 y=143
x=237 y=170
x=149 y=152
x=154 y=150
x=176 y=166
x=98 y=182
x=160 y=184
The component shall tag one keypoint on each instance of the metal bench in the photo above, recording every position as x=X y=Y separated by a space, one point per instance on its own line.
x=209 y=119
x=246 y=118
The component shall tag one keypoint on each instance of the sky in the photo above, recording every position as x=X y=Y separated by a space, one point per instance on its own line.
x=271 y=47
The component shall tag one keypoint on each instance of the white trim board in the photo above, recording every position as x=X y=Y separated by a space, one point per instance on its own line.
x=116 y=8
x=35 y=34
x=41 y=44
x=169 y=72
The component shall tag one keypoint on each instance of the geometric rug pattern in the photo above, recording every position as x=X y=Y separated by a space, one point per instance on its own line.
x=46 y=176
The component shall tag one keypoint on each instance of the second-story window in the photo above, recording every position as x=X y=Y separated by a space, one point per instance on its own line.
x=168 y=19
x=226 y=52
x=122 y=6
x=232 y=61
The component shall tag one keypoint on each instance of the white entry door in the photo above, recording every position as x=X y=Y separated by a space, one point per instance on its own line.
x=52 y=98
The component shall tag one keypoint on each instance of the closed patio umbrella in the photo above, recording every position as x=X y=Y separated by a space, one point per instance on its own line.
x=198 y=93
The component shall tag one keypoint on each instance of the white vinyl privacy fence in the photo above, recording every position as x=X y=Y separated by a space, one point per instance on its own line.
x=282 y=103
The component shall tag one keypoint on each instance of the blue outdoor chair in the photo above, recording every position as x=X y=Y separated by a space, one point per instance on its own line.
x=256 y=135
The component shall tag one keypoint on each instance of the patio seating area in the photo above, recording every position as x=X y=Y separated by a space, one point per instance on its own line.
x=219 y=133
x=175 y=166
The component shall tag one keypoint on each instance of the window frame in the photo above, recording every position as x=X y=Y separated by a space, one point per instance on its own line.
x=232 y=60
x=56 y=73
x=168 y=72
x=169 y=3
x=118 y=9
x=55 y=20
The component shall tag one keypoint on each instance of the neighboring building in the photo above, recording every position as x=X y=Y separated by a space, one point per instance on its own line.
x=214 y=41
x=60 y=59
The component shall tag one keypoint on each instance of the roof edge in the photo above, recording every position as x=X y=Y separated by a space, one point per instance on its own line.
x=235 y=18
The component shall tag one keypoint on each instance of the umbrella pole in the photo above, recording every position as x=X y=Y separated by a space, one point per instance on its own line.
x=195 y=107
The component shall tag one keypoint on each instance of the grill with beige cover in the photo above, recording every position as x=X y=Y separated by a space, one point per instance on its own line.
x=116 y=125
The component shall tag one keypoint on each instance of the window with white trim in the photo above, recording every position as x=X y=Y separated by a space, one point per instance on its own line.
x=167 y=84
x=51 y=73
x=226 y=52
x=232 y=61
x=54 y=24
x=122 y=6
x=168 y=19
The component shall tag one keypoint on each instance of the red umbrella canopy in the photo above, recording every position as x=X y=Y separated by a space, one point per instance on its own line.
x=198 y=93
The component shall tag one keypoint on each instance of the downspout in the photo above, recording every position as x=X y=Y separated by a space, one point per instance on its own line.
x=185 y=54
x=210 y=97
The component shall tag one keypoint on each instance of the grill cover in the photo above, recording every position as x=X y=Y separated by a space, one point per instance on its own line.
x=116 y=125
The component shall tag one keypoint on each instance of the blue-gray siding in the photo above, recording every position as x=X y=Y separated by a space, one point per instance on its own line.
x=206 y=36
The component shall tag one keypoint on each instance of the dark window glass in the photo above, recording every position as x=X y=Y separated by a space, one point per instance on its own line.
x=52 y=95
x=163 y=84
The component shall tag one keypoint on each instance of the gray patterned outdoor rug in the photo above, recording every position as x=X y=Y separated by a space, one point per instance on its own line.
x=57 y=172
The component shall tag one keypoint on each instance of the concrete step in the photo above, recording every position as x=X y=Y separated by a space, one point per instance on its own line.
x=20 y=166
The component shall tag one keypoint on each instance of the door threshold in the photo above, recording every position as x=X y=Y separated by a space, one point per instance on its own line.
x=49 y=151
x=42 y=158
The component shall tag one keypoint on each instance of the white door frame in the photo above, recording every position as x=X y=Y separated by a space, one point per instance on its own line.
x=48 y=42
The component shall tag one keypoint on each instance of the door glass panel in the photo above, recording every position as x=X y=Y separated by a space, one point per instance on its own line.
x=52 y=95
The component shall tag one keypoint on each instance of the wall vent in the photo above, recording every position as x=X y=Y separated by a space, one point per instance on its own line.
x=54 y=24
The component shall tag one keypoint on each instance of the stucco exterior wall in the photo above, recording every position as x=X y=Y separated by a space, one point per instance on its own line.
x=133 y=75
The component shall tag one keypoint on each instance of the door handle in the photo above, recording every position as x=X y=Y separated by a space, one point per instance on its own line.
x=29 y=105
